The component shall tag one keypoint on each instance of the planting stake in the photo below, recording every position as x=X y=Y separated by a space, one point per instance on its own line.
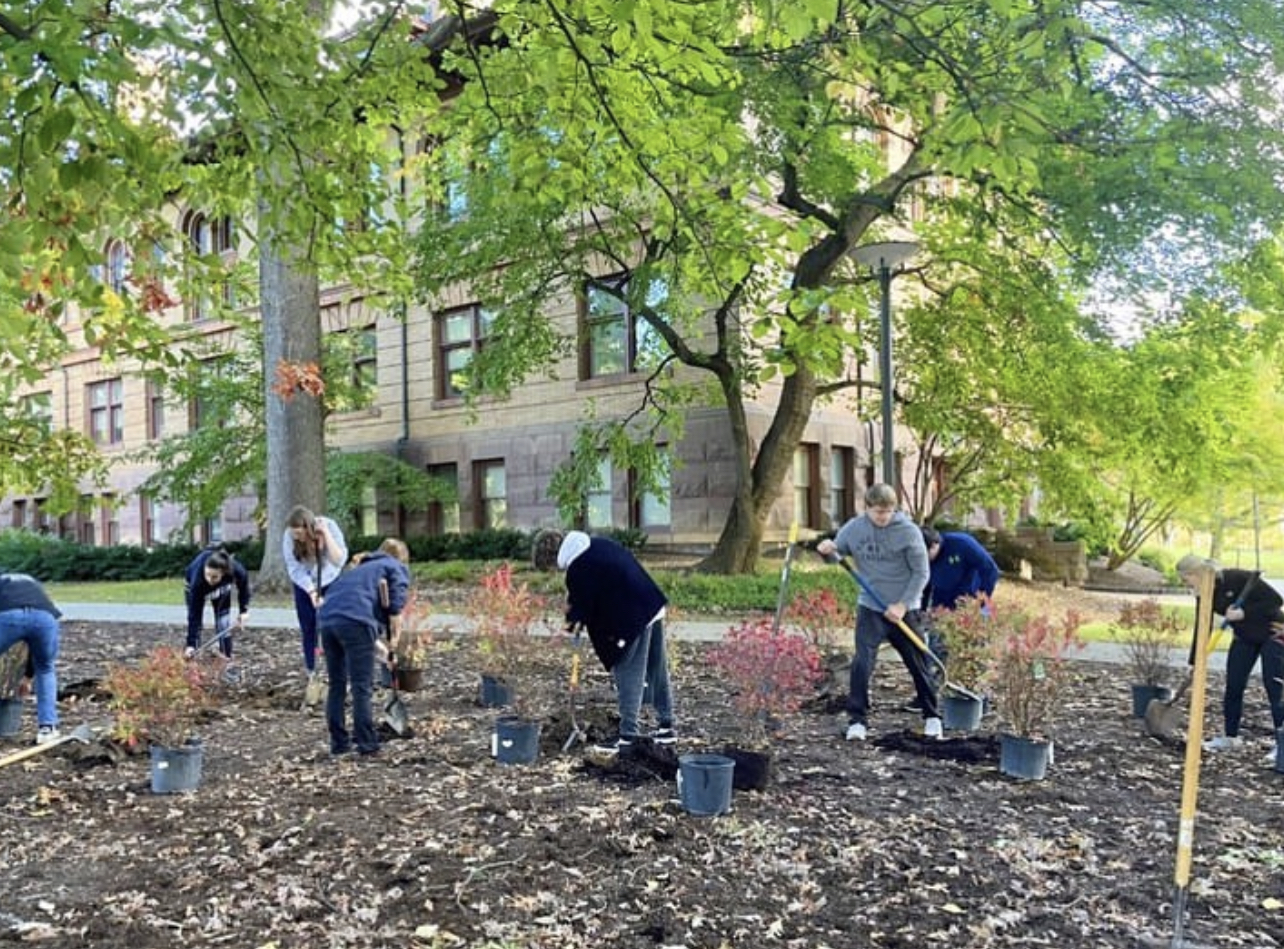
x=904 y=627
x=784 y=576
x=1194 y=745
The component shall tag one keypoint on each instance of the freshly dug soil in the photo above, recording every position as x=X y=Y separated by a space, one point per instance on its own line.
x=894 y=842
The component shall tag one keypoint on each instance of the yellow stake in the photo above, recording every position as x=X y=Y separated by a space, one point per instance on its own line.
x=1194 y=746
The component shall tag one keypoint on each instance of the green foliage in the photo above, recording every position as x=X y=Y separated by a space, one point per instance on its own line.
x=60 y=561
x=349 y=476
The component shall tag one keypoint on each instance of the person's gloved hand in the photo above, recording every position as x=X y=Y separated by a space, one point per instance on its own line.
x=1234 y=614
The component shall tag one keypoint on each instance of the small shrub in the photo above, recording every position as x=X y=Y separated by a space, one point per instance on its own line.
x=1148 y=632
x=773 y=672
x=161 y=699
x=414 y=645
x=504 y=614
x=823 y=618
x=968 y=633
x=1026 y=669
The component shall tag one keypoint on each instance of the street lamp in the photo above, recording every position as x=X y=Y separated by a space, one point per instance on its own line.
x=882 y=258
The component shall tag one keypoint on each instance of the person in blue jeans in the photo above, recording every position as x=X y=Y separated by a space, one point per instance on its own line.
x=611 y=595
x=351 y=621
x=28 y=615
x=210 y=578
x=315 y=552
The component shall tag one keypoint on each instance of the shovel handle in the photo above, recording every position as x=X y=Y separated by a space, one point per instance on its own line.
x=38 y=749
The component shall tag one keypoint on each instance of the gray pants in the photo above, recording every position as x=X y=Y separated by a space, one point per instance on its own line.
x=644 y=669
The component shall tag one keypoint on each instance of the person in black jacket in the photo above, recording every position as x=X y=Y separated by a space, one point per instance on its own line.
x=28 y=615
x=210 y=578
x=612 y=596
x=351 y=620
x=1250 y=607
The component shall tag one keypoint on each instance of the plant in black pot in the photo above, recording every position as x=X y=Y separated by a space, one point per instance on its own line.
x=1149 y=634
x=772 y=672
x=967 y=632
x=1027 y=673
x=160 y=701
x=414 y=644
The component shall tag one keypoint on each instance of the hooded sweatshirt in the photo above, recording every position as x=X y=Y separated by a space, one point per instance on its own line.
x=892 y=559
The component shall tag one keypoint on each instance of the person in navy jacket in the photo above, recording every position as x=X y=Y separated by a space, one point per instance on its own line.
x=210 y=578
x=351 y=621
x=611 y=595
x=960 y=567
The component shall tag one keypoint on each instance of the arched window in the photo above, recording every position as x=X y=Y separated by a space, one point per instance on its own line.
x=117 y=256
x=208 y=237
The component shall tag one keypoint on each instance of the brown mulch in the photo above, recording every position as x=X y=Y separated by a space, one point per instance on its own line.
x=896 y=842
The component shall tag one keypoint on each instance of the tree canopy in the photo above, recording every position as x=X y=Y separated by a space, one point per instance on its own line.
x=731 y=155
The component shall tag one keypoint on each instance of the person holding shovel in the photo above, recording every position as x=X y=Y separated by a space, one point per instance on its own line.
x=315 y=552
x=352 y=619
x=210 y=578
x=28 y=615
x=1251 y=608
x=610 y=594
x=892 y=558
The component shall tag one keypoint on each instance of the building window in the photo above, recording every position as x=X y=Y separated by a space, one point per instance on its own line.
x=369 y=510
x=38 y=407
x=211 y=530
x=842 y=485
x=490 y=495
x=147 y=520
x=155 y=410
x=207 y=237
x=443 y=516
x=117 y=266
x=106 y=412
x=85 y=530
x=461 y=333
x=615 y=340
x=597 y=502
x=19 y=520
x=356 y=353
x=653 y=508
x=205 y=407
x=806 y=485
x=109 y=520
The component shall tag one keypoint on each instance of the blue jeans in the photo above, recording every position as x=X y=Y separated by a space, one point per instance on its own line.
x=307 y=614
x=872 y=628
x=1240 y=659
x=39 y=630
x=222 y=607
x=350 y=661
x=645 y=664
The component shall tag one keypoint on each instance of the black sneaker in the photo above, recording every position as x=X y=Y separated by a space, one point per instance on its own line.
x=664 y=735
x=616 y=745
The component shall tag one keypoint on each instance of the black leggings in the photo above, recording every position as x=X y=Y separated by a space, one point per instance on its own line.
x=1240 y=659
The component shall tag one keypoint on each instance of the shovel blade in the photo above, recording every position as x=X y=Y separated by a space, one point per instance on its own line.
x=395 y=715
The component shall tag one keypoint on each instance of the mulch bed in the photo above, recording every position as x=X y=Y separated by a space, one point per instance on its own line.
x=894 y=842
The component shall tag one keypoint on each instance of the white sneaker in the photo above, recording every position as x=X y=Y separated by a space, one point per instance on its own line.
x=1223 y=743
x=932 y=728
x=46 y=734
x=189 y=652
x=856 y=731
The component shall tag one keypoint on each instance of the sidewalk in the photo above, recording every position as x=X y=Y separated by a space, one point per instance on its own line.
x=702 y=631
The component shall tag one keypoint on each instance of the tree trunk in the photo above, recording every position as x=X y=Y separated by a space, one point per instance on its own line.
x=291 y=313
x=758 y=480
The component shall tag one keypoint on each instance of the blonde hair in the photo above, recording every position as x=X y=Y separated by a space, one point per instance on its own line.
x=880 y=495
x=395 y=547
x=1193 y=563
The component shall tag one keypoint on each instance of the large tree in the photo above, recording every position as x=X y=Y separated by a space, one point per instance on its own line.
x=109 y=113
x=729 y=156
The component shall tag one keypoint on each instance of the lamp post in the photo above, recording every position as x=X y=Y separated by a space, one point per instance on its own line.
x=882 y=258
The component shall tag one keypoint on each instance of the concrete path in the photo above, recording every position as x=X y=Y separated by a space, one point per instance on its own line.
x=687 y=630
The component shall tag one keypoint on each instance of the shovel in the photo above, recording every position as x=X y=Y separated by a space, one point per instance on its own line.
x=13 y=667
x=905 y=628
x=577 y=733
x=395 y=715
x=82 y=733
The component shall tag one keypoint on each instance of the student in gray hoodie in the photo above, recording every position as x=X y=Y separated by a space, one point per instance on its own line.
x=890 y=554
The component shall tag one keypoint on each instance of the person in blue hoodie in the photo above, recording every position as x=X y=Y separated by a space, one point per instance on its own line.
x=209 y=579
x=351 y=620
x=960 y=567
x=611 y=595
x=890 y=554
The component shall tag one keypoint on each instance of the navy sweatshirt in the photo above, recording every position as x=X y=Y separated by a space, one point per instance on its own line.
x=612 y=596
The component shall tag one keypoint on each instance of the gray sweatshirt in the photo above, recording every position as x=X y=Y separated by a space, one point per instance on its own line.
x=892 y=559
